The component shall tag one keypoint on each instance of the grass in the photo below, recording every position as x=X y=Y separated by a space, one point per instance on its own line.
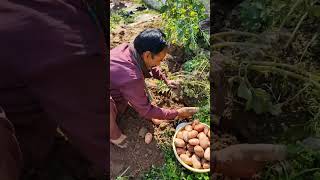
x=301 y=164
x=173 y=170
x=123 y=17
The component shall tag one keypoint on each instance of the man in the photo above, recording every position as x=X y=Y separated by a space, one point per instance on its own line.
x=129 y=66
x=52 y=73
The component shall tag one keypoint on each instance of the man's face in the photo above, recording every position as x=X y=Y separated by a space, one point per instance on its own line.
x=155 y=59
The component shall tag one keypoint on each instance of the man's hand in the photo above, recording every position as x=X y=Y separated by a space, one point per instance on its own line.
x=2 y=113
x=158 y=121
x=186 y=112
x=173 y=84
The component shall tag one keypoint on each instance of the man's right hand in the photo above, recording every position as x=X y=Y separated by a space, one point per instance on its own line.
x=158 y=121
x=186 y=112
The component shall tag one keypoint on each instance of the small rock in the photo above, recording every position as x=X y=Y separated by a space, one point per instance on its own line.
x=148 y=138
x=142 y=132
x=137 y=146
x=149 y=151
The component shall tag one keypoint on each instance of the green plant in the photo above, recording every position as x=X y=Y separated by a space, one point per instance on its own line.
x=267 y=81
x=120 y=16
x=259 y=15
x=123 y=178
x=204 y=113
x=115 y=19
x=302 y=164
x=162 y=88
x=181 y=20
x=198 y=64
x=173 y=170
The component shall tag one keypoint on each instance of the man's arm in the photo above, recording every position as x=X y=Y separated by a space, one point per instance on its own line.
x=156 y=73
x=134 y=93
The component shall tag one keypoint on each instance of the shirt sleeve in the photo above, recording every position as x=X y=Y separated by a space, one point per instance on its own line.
x=156 y=73
x=135 y=94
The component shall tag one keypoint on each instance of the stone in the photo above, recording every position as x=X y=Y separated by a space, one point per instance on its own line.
x=142 y=132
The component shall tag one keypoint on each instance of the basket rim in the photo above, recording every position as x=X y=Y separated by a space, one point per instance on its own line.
x=179 y=159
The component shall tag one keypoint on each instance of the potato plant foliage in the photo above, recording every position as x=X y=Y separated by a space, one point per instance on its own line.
x=272 y=69
x=181 y=20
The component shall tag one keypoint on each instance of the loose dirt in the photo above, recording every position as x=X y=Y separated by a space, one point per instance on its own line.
x=139 y=156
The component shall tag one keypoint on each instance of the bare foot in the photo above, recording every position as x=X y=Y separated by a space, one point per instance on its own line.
x=121 y=142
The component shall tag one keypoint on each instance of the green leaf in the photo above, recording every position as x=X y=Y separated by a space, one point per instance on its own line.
x=261 y=101
x=249 y=105
x=244 y=91
x=257 y=105
x=315 y=10
x=276 y=109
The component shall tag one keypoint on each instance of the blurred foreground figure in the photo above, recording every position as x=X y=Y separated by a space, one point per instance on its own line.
x=52 y=74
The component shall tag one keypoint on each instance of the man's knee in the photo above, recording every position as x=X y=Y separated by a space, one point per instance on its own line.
x=113 y=109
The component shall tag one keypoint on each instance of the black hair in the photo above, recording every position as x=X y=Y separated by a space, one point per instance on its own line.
x=152 y=40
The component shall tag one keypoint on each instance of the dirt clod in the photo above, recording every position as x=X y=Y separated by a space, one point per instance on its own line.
x=142 y=132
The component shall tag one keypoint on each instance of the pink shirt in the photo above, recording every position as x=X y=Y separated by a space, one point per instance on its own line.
x=127 y=84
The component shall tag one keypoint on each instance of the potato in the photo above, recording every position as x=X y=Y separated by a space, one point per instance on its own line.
x=202 y=160
x=185 y=135
x=148 y=138
x=190 y=148
x=179 y=135
x=194 y=142
x=207 y=154
x=198 y=150
x=206 y=165
x=205 y=130
x=192 y=134
x=204 y=142
x=195 y=122
x=186 y=159
x=179 y=142
x=208 y=133
x=188 y=153
x=201 y=135
x=196 y=161
x=181 y=151
x=199 y=127
x=188 y=127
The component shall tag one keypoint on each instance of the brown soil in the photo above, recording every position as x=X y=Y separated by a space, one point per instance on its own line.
x=127 y=33
x=139 y=156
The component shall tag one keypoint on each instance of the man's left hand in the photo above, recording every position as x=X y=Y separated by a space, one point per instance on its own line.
x=173 y=84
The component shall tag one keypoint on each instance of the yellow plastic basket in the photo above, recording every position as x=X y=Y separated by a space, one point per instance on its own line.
x=177 y=156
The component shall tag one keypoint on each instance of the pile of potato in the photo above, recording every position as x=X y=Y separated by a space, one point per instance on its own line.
x=193 y=145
